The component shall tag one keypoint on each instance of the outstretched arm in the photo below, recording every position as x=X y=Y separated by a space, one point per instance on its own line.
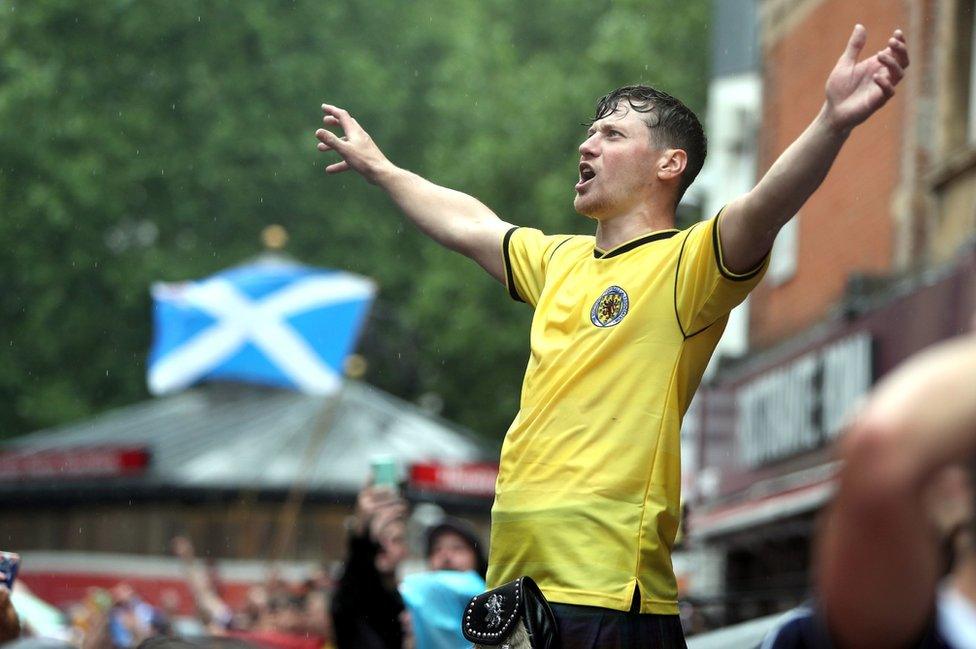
x=855 y=90
x=451 y=218
x=200 y=584
x=879 y=557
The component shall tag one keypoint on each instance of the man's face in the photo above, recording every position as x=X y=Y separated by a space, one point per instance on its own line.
x=451 y=552
x=617 y=164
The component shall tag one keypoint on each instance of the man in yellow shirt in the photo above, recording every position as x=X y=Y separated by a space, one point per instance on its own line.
x=587 y=497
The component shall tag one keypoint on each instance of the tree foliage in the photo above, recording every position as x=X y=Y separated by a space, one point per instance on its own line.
x=153 y=140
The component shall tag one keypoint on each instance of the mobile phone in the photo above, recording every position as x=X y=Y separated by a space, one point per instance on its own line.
x=384 y=471
x=9 y=565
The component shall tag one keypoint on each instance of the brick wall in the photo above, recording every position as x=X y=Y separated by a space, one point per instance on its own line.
x=847 y=226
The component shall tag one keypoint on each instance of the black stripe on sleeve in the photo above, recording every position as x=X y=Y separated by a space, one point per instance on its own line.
x=677 y=269
x=509 y=277
x=717 y=248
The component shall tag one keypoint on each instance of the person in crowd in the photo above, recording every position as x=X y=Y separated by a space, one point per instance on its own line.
x=367 y=608
x=587 y=497
x=952 y=501
x=902 y=517
x=275 y=610
x=211 y=608
x=436 y=599
x=132 y=620
x=880 y=556
x=452 y=544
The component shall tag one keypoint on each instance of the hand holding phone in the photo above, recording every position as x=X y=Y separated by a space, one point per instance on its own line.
x=384 y=471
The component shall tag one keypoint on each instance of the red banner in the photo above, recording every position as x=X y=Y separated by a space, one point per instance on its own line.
x=85 y=462
x=462 y=479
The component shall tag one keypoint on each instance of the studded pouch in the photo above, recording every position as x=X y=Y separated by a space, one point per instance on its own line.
x=515 y=615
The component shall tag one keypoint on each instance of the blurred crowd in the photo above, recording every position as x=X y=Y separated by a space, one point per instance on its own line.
x=895 y=563
x=368 y=600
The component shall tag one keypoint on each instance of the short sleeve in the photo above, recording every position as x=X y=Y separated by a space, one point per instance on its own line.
x=527 y=253
x=705 y=290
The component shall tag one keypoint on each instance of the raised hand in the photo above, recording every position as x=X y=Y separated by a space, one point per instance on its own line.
x=855 y=90
x=371 y=502
x=386 y=514
x=183 y=548
x=356 y=147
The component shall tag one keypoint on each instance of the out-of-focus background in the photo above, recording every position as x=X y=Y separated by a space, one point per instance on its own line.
x=161 y=194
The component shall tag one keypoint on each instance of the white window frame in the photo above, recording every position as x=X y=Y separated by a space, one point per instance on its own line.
x=971 y=104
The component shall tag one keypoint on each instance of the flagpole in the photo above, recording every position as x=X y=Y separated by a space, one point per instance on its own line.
x=288 y=518
x=275 y=237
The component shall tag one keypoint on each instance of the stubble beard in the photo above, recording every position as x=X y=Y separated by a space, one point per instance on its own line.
x=591 y=206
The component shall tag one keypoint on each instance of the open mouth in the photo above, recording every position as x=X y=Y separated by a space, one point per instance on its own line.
x=586 y=174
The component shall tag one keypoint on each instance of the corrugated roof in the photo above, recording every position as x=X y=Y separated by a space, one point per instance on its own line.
x=233 y=436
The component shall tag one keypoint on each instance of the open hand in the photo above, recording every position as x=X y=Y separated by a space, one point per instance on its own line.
x=855 y=90
x=386 y=514
x=356 y=147
x=182 y=548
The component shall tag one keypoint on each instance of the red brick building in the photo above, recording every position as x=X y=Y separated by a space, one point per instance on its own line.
x=881 y=263
x=848 y=227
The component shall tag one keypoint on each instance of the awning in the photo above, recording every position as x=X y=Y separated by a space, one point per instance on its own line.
x=758 y=511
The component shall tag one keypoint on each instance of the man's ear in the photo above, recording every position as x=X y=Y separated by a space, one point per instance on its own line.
x=671 y=164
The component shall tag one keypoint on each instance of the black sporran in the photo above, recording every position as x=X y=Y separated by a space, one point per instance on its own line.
x=515 y=615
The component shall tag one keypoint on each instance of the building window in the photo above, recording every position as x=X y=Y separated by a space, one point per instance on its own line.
x=970 y=42
x=952 y=175
x=958 y=78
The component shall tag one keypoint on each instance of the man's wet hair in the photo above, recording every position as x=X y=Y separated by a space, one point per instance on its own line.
x=673 y=125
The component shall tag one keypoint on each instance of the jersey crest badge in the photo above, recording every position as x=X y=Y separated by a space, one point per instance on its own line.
x=610 y=308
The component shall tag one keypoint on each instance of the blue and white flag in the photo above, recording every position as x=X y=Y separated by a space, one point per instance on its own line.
x=271 y=322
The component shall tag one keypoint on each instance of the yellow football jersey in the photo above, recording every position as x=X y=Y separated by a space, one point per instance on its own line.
x=588 y=492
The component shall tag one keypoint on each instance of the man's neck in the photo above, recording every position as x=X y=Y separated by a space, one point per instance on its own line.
x=613 y=231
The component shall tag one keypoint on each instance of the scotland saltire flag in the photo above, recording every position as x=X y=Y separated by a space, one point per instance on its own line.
x=271 y=322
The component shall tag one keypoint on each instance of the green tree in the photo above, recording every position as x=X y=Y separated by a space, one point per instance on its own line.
x=153 y=140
